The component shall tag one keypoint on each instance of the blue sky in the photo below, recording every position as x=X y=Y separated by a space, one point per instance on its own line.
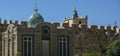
x=100 y=12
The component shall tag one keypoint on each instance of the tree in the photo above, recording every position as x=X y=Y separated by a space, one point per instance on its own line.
x=113 y=49
x=18 y=54
x=92 y=54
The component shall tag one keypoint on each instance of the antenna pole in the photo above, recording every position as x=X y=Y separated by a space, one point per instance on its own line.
x=36 y=9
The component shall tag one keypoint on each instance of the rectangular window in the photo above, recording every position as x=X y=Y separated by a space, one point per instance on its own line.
x=25 y=48
x=8 y=47
x=27 y=45
x=62 y=46
x=4 y=47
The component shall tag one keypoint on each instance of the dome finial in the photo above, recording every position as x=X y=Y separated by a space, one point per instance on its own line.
x=36 y=9
x=115 y=23
x=75 y=9
x=75 y=14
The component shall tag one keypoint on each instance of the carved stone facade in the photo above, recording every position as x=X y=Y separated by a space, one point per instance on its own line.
x=43 y=40
x=73 y=37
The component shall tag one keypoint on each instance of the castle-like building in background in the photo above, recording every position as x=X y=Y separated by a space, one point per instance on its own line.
x=39 y=38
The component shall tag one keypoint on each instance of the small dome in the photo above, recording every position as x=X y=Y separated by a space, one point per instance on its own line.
x=35 y=19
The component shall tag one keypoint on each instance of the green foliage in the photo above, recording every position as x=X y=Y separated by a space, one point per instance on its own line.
x=18 y=54
x=114 y=49
x=91 y=54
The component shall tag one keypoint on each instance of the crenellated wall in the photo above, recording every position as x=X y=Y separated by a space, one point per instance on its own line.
x=16 y=23
x=91 y=27
x=79 y=37
x=87 y=39
x=84 y=38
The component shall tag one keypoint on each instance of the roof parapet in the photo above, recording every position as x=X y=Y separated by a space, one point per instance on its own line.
x=108 y=28
x=65 y=25
x=16 y=23
x=75 y=25
x=56 y=24
x=10 y=22
x=24 y=23
x=94 y=27
x=84 y=27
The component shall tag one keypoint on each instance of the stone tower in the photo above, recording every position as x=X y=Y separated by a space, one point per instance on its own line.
x=76 y=20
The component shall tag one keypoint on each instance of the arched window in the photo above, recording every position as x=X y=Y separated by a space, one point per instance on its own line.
x=45 y=33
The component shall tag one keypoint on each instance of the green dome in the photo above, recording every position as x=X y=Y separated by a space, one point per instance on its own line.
x=35 y=19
